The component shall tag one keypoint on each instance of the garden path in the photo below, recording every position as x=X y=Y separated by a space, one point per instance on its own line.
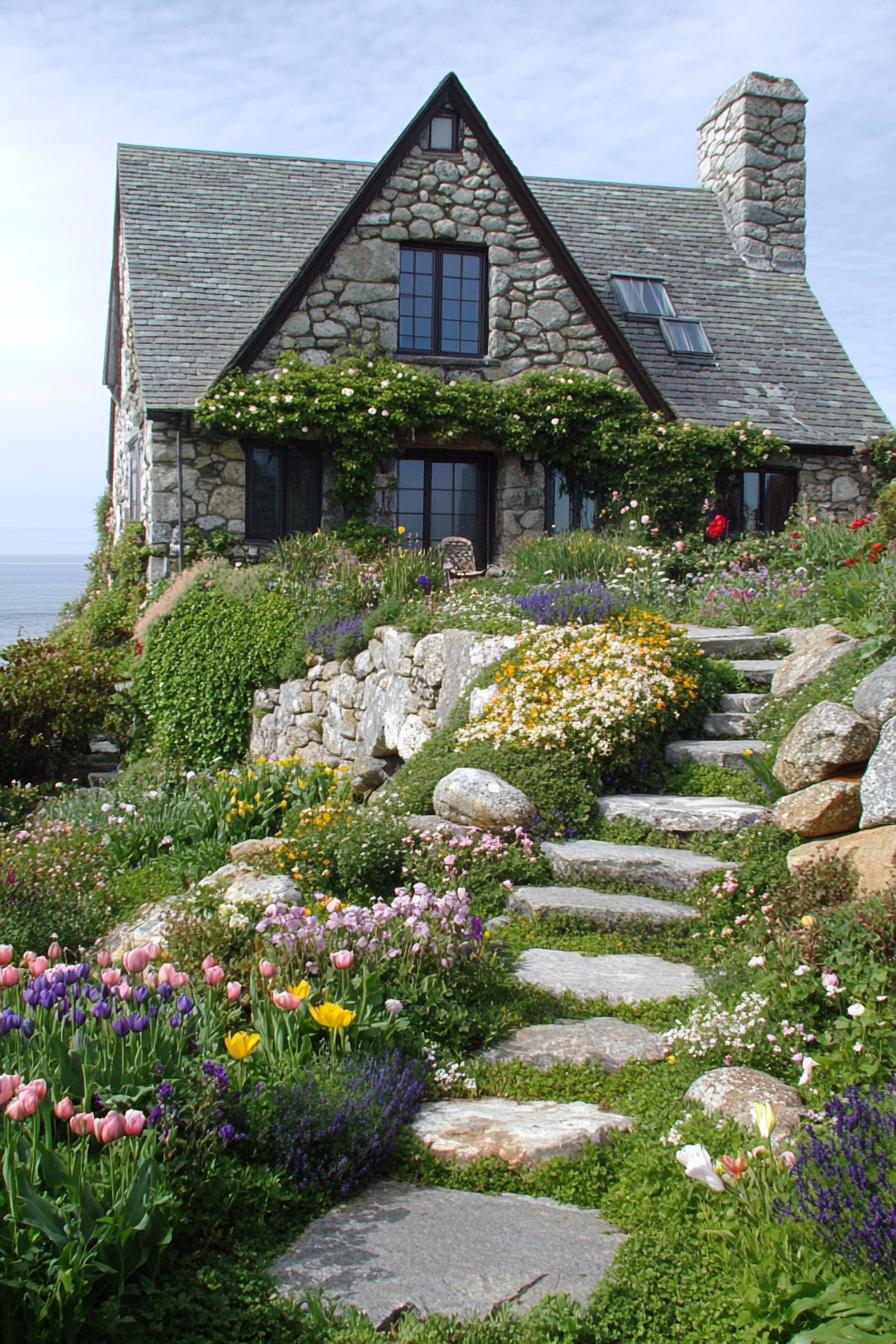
x=485 y=1250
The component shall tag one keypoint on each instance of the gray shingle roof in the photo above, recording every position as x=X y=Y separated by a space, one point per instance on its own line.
x=212 y=240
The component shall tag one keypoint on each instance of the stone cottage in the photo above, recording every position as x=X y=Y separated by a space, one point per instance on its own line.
x=445 y=255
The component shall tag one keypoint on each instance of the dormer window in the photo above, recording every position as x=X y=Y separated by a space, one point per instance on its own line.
x=442 y=133
x=642 y=296
x=685 y=336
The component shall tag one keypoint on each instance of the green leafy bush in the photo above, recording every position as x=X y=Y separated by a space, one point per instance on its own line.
x=53 y=698
x=202 y=662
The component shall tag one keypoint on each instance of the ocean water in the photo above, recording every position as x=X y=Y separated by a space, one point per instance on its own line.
x=33 y=589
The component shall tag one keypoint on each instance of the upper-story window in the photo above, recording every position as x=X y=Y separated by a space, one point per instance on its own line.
x=443 y=132
x=685 y=336
x=442 y=301
x=642 y=296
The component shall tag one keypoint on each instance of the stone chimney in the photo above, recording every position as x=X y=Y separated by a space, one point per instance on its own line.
x=752 y=155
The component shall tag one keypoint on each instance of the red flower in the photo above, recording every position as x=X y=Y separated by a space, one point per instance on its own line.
x=850 y=560
x=717 y=526
x=857 y=523
x=877 y=546
x=795 y=536
x=138 y=648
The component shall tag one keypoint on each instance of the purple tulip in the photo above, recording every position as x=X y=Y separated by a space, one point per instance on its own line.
x=175 y=1020
x=79 y=1017
x=102 y=1010
x=120 y=1026
x=165 y=992
x=27 y=1028
x=141 y=994
x=184 y=1004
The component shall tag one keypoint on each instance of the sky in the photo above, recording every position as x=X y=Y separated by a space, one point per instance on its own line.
x=611 y=90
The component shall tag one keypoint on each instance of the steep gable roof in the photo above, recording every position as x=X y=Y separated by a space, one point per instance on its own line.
x=221 y=246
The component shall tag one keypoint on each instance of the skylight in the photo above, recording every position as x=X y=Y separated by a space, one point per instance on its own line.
x=685 y=336
x=641 y=296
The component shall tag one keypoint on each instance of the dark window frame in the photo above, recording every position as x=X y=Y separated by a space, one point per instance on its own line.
x=576 y=497
x=617 y=276
x=440 y=251
x=287 y=457
x=446 y=113
x=667 y=322
x=734 y=498
x=483 y=543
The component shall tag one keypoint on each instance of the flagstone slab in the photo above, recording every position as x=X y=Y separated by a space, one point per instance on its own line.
x=731 y=641
x=743 y=702
x=725 y=724
x=650 y=865
x=732 y=1093
x=618 y=977
x=679 y=812
x=520 y=1133
x=610 y=908
x=758 y=671
x=400 y=1248
x=724 y=751
x=606 y=1041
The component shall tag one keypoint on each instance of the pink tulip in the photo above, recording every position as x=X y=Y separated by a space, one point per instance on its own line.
x=82 y=1123
x=136 y=960
x=267 y=969
x=28 y=957
x=181 y=978
x=208 y=962
x=134 y=1122
x=9 y=977
x=9 y=1086
x=150 y=979
x=38 y=1085
x=153 y=951
x=112 y=976
x=234 y=990
x=39 y=965
x=64 y=1109
x=5 y=954
x=125 y=990
x=104 y=957
x=167 y=972
x=342 y=959
x=214 y=975
x=110 y=1127
x=54 y=951
x=283 y=999
x=24 y=1104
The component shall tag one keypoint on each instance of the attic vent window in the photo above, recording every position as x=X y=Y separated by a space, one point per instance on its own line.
x=685 y=336
x=642 y=296
x=442 y=132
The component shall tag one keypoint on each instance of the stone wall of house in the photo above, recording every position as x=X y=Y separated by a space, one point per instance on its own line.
x=752 y=154
x=375 y=710
x=833 y=487
x=130 y=428
x=534 y=319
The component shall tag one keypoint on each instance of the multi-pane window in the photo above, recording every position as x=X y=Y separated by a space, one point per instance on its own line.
x=442 y=495
x=685 y=336
x=442 y=301
x=760 y=501
x=641 y=296
x=567 y=507
x=283 y=491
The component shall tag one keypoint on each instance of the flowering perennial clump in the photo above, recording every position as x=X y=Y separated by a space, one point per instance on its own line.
x=591 y=688
x=574 y=603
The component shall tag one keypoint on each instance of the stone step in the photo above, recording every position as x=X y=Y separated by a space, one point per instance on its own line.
x=743 y=702
x=601 y=907
x=480 y=1251
x=618 y=977
x=728 y=752
x=758 y=671
x=101 y=779
x=606 y=1041
x=680 y=813
x=520 y=1133
x=732 y=641
x=103 y=747
x=725 y=725
x=652 y=865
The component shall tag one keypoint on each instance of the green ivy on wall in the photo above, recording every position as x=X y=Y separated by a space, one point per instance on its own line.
x=599 y=435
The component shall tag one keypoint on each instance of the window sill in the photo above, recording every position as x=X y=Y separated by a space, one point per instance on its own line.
x=448 y=361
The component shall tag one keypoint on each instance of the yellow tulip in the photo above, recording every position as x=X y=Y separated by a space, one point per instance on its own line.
x=332 y=1016
x=764 y=1116
x=239 y=1044
x=301 y=990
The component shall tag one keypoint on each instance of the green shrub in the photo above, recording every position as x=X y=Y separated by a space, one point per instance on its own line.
x=886 y=508
x=53 y=698
x=54 y=883
x=195 y=681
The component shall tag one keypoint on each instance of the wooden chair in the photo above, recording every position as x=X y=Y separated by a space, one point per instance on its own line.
x=459 y=559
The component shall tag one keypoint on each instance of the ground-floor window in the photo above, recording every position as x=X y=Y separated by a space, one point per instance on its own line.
x=134 y=480
x=446 y=495
x=760 y=501
x=283 y=490
x=567 y=507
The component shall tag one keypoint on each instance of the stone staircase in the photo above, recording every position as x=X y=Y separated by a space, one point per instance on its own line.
x=483 y=1250
x=102 y=764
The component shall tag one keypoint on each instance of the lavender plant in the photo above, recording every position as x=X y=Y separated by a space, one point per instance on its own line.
x=844 y=1182
x=574 y=603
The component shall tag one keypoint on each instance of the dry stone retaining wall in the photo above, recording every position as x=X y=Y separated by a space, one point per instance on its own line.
x=377 y=709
